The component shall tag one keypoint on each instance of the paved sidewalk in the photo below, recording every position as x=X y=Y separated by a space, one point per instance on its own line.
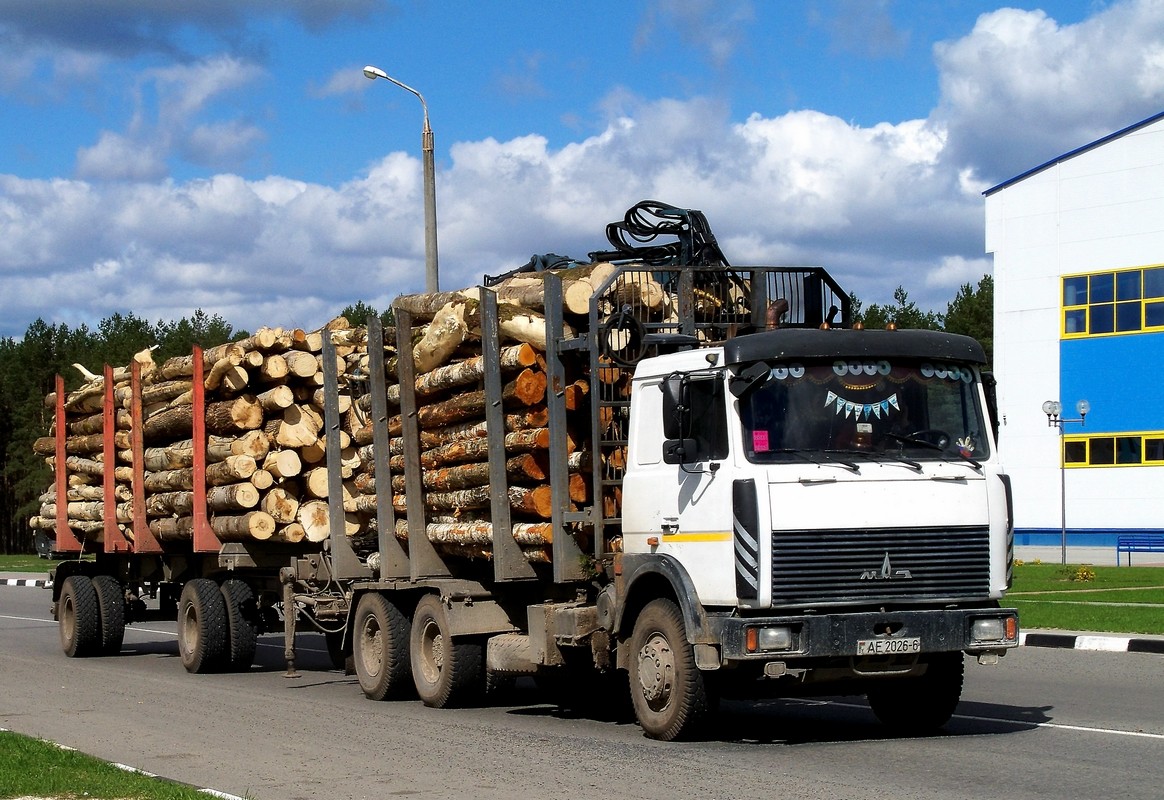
x=1095 y=556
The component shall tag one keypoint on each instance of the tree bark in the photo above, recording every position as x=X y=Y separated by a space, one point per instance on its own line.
x=243 y=528
x=232 y=497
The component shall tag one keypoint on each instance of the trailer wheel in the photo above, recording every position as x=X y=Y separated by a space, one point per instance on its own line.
x=242 y=618
x=80 y=619
x=202 y=626
x=446 y=672
x=669 y=693
x=921 y=705
x=111 y=608
x=380 y=648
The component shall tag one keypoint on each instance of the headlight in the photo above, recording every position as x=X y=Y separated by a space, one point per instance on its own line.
x=774 y=638
x=992 y=629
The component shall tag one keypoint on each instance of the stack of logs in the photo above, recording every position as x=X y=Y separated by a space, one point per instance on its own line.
x=266 y=477
x=264 y=418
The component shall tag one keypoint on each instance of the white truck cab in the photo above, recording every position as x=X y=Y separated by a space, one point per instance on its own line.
x=831 y=504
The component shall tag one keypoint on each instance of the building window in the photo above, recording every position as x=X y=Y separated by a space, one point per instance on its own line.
x=1114 y=450
x=1103 y=303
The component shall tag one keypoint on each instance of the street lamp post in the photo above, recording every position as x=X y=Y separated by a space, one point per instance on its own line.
x=1053 y=408
x=431 y=280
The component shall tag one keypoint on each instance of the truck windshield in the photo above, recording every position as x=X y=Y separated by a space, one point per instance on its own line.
x=904 y=409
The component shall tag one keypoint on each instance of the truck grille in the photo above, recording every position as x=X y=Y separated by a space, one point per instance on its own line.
x=896 y=564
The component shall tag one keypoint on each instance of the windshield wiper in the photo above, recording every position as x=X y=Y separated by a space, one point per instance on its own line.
x=914 y=440
x=804 y=453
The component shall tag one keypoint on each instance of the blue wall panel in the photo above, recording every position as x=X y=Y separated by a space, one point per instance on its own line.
x=1122 y=377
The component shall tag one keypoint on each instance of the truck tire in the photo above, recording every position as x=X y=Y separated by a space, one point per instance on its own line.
x=446 y=672
x=669 y=693
x=111 y=608
x=380 y=648
x=242 y=624
x=921 y=705
x=203 y=638
x=80 y=619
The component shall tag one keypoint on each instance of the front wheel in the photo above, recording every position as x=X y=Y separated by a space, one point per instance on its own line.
x=446 y=672
x=669 y=692
x=921 y=705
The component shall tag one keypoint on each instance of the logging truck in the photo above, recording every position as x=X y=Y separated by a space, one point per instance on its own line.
x=651 y=469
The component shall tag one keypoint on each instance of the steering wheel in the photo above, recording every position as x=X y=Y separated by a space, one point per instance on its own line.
x=933 y=436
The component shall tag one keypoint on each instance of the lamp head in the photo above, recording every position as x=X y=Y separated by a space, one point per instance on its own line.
x=1052 y=408
x=1082 y=408
x=372 y=73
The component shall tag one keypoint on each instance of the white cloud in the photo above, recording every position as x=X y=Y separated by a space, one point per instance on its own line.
x=1020 y=88
x=116 y=157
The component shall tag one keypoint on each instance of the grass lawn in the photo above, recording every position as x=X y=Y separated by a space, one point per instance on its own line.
x=27 y=563
x=1088 y=598
x=31 y=767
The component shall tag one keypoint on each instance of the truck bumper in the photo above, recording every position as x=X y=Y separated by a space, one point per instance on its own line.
x=976 y=631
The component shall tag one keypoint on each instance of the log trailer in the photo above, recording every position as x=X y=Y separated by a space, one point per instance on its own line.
x=774 y=503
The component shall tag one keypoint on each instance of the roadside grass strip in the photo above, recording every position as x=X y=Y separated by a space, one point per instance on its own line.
x=39 y=768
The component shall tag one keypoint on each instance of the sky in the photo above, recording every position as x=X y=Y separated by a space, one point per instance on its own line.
x=229 y=155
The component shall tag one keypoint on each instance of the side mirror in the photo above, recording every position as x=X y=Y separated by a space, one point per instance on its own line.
x=681 y=451
x=990 y=389
x=676 y=406
x=749 y=377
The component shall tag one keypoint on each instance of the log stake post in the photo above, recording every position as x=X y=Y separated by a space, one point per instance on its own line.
x=568 y=558
x=67 y=541
x=509 y=563
x=115 y=541
x=393 y=556
x=425 y=561
x=346 y=562
x=144 y=540
x=205 y=540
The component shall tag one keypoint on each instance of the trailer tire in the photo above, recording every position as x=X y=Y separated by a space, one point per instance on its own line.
x=79 y=616
x=380 y=648
x=203 y=638
x=921 y=705
x=111 y=608
x=242 y=624
x=669 y=692
x=447 y=672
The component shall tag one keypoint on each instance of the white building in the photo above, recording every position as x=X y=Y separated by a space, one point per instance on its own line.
x=1078 y=248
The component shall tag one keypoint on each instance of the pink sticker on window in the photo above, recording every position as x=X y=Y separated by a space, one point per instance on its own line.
x=759 y=441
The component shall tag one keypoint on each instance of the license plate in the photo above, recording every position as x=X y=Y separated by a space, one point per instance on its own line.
x=885 y=647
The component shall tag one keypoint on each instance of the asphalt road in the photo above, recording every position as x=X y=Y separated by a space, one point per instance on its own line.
x=1044 y=723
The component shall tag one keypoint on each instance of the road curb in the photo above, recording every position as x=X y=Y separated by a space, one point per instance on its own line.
x=1087 y=641
x=36 y=583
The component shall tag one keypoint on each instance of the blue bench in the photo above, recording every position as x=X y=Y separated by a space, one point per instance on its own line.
x=1138 y=543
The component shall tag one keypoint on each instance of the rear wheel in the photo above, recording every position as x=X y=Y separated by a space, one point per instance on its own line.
x=669 y=693
x=80 y=620
x=446 y=672
x=242 y=624
x=202 y=626
x=921 y=705
x=111 y=606
x=380 y=648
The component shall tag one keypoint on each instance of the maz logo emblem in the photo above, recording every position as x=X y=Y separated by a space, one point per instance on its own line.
x=886 y=573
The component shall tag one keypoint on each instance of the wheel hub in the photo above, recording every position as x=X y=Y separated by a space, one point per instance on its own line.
x=656 y=670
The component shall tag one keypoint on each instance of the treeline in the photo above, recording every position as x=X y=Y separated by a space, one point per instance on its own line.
x=971 y=312
x=28 y=367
